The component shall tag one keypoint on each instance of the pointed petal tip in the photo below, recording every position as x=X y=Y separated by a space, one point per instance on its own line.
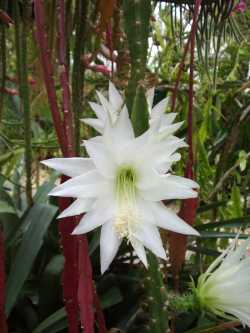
x=46 y=162
x=195 y=233
x=76 y=232
x=64 y=214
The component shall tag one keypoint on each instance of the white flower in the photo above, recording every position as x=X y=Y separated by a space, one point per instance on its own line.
x=224 y=289
x=121 y=185
x=109 y=110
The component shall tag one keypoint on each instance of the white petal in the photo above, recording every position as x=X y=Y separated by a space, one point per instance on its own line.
x=167 y=219
x=139 y=250
x=150 y=97
x=101 y=157
x=170 y=129
x=150 y=237
x=182 y=181
x=109 y=245
x=97 y=124
x=94 y=219
x=165 y=188
x=235 y=256
x=120 y=133
x=106 y=105
x=72 y=167
x=168 y=118
x=243 y=316
x=78 y=207
x=88 y=185
x=99 y=111
x=114 y=96
x=159 y=108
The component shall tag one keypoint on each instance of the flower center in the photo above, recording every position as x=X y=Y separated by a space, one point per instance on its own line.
x=125 y=189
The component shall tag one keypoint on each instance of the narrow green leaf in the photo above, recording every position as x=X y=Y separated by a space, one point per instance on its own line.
x=40 y=216
x=215 y=234
x=232 y=223
x=54 y=323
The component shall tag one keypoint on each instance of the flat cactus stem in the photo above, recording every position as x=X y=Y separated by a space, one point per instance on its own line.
x=156 y=298
x=137 y=24
x=139 y=114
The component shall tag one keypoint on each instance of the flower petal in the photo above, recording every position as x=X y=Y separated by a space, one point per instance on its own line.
x=78 y=207
x=139 y=250
x=101 y=157
x=235 y=256
x=72 y=167
x=182 y=181
x=108 y=107
x=163 y=187
x=114 y=96
x=167 y=219
x=93 y=219
x=109 y=245
x=159 y=108
x=121 y=132
x=150 y=237
x=150 y=98
x=89 y=185
x=99 y=111
x=97 y=124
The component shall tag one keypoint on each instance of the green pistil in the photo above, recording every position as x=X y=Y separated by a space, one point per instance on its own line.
x=125 y=183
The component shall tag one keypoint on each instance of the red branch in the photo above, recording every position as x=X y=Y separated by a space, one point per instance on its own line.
x=70 y=272
x=9 y=91
x=85 y=287
x=179 y=74
x=64 y=78
x=3 y=324
x=4 y=17
x=177 y=242
x=77 y=275
x=42 y=40
x=99 y=314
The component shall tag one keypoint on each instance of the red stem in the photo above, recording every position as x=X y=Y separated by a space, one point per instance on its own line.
x=99 y=314
x=85 y=287
x=191 y=39
x=177 y=242
x=179 y=74
x=64 y=78
x=42 y=40
x=191 y=82
x=70 y=273
x=77 y=275
x=3 y=323
x=4 y=17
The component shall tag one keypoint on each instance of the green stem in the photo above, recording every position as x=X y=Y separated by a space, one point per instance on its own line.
x=21 y=53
